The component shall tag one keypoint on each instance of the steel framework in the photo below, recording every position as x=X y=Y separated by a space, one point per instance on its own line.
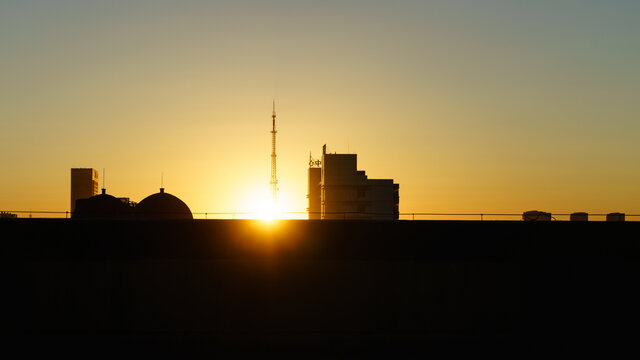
x=274 y=177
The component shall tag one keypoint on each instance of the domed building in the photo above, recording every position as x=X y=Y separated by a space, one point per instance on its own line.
x=162 y=206
x=103 y=207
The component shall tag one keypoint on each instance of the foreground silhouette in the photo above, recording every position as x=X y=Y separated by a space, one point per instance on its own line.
x=319 y=288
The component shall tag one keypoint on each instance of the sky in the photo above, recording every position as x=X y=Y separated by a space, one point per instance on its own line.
x=470 y=105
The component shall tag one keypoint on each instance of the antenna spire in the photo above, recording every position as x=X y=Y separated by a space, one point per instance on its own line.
x=274 y=177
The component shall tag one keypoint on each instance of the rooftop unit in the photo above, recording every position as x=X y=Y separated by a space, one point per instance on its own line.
x=579 y=216
x=535 y=215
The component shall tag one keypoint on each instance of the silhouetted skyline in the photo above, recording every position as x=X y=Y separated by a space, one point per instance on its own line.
x=473 y=106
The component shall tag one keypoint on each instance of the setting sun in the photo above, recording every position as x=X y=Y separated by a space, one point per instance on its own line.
x=257 y=204
x=267 y=211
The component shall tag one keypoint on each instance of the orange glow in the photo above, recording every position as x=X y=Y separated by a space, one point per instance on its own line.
x=268 y=211
x=257 y=204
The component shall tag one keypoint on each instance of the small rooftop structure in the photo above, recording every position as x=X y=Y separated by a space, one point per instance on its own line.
x=7 y=215
x=535 y=215
x=615 y=217
x=579 y=216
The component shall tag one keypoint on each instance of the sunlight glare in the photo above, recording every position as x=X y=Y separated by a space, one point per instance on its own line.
x=268 y=211
x=257 y=204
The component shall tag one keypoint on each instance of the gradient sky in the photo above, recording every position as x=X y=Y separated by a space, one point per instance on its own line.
x=471 y=106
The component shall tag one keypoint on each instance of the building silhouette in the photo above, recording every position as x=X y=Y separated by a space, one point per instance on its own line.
x=127 y=201
x=314 y=193
x=84 y=184
x=615 y=217
x=158 y=206
x=102 y=207
x=338 y=190
x=86 y=203
x=7 y=215
x=162 y=206
x=579 y=216
x=535 y=215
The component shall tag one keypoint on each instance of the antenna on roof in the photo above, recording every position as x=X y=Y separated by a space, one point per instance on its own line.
x=104 y=191
x=161 y=181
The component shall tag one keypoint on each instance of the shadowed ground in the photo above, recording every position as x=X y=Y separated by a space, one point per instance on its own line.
x=319 y=288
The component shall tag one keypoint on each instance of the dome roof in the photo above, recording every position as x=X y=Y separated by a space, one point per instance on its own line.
x=101 y=206
x=162 y=205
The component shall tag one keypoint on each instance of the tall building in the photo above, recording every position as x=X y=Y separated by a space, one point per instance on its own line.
x=338 y=190
x=314 y=193
x=84 y=184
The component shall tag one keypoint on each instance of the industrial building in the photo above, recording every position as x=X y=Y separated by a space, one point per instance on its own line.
x=338 y=190
x=84 y=184
x=102 y=207
x=162 y=206
x=86 y=203
x=158 y=206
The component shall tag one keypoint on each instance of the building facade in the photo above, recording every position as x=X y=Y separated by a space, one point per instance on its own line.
x=84 y=184
x=338 y=190
x=314 y=193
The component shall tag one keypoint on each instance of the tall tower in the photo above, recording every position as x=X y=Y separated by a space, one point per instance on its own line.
x=274 y=178
x=84 y=184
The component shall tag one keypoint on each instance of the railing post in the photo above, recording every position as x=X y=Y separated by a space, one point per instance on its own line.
x=413 y=216
x=481 y=217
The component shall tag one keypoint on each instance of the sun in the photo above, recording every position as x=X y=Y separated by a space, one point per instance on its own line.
x=256 y=203
x=268 y=211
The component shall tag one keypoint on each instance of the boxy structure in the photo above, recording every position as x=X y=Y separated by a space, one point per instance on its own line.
x=314 y=193
x=338 y=190
x=535 y=215
x=84 y=184
x=579 y=216
x=615 y=217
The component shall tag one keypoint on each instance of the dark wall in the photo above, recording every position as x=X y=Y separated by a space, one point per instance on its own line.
x=320 y=287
